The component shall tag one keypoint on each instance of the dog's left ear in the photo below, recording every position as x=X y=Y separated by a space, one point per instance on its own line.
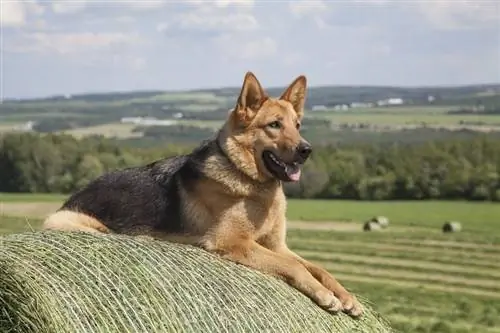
x=296 y=94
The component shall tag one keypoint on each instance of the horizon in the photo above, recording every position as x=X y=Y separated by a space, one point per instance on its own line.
x=191 y=90
x=57 y=48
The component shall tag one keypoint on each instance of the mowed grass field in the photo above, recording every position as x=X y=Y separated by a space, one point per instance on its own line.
x=406 y=118
x=420 y=279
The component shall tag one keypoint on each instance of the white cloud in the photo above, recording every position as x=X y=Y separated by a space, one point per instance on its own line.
x=68 y=7
x=301 y=8
x=71 y=7
x=15 y=13
x=144 y=4
x=217 y=21
x=71 y=43
x=234 y=47
x=222 y=3
x=461 y=14
x=206 y=19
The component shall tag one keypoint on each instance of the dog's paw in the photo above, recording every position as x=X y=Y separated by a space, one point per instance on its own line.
x=351 y=305
x=329 y=302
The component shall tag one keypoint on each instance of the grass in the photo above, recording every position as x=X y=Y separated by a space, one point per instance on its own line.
x=405 y=118
x=419 y=278
x=125 y=131
x=29 y=197
x=117 y=130
x=475 y=216
x=8 y=126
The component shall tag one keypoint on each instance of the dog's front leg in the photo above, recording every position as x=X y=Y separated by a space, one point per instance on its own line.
x=253 y=255
x=349 y=302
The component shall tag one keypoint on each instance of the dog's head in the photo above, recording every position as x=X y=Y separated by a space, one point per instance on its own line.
x=264 y=138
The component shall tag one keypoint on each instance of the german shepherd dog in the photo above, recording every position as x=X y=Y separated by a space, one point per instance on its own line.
x=226 y=196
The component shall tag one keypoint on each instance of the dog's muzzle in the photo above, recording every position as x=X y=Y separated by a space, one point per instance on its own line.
x=303 y=151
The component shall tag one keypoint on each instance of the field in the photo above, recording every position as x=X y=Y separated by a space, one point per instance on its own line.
x=100 y=114
x=400 y=116
x=419 y=278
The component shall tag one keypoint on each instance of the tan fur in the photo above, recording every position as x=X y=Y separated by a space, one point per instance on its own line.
x=239 y=209
x=73 y=221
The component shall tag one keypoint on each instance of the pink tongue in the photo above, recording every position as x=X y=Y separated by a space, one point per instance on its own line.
x=295 y=176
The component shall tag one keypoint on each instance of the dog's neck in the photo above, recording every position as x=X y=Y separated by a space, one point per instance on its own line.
x=229 y=168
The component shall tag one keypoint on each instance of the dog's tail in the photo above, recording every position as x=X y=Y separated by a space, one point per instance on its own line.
x=66 y=220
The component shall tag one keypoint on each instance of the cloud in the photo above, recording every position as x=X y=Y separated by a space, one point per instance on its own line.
x=129 y=43
x=300 y=8
x=128 y=61
x=461 y=14
x=222 y=3
x=15 y=13
x=67 y=7
x=233 y=47
x=71 y=43
x=209 y=20
x=72 y=7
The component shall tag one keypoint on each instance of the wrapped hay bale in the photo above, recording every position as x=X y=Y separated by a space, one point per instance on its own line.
x=381 y=220
x=452 y=226
x=371 y=226
x=55 y=282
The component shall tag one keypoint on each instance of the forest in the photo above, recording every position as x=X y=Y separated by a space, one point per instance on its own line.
x=440 y=169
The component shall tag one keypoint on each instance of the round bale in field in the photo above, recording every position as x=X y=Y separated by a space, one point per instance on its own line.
x=382 y=220
x=52 y=282
x=371 y=226
x=452 y=226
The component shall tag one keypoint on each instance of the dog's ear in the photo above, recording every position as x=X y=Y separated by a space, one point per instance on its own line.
x=296 y=94
x=251 y=98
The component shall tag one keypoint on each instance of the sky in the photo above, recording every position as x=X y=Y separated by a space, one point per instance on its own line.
x=76 y=46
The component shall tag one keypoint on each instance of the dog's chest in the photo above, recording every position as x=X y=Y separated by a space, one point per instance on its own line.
x=265 y=215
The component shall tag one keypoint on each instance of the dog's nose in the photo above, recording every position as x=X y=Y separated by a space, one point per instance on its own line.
x=304 y=149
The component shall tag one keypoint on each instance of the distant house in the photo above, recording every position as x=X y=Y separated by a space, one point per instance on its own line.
x=147 y=121
x=319 y=108
x=390 y=101
x=26 y=127
x=361 y=105
x=341 y=107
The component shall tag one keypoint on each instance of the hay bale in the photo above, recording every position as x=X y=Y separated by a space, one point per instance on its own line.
x=371 y=226
x=381 y=220
x=77 y=282
x=452 y=226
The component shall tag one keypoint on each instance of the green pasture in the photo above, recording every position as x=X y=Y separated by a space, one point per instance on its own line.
x=476 y=216
x=420 y=279
x=405 y=118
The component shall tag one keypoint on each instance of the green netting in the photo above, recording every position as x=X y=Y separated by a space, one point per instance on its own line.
x=77 y=282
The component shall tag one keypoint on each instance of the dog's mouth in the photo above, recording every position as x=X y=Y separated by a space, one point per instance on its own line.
x=288 y=172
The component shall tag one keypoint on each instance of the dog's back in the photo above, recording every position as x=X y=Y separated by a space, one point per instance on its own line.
x=133 y=199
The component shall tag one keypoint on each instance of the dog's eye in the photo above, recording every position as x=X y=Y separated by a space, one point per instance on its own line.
x=297 y=126
x=275 y=124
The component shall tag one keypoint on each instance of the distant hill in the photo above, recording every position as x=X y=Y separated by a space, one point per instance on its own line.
x=319 y=95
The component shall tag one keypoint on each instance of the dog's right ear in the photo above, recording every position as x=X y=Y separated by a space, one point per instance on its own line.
x=251 y=98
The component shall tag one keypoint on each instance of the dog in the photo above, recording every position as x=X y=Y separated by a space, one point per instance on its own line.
x=226 y=196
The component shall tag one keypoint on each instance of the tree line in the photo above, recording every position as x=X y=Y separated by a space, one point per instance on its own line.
x=445 y=169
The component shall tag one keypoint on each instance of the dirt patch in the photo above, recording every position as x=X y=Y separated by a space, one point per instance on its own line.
x=328 y=226
x=427 y=278
x=37 y=210
x=345 y=245
x=400 y=263
x=417 y=284
x=340 y=226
